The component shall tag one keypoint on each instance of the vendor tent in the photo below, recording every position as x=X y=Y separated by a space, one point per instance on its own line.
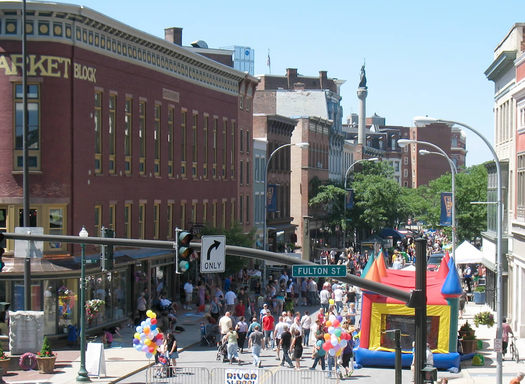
x=466 y=253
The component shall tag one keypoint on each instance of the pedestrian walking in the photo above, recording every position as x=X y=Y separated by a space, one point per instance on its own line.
x=255 y=343
x=286 y=342
x=297 y=348
x=188 y=290
x=507 y=330
x=306 y=324
x=242 y=330
x=318 y=353
x=518 y=378
x=268 y=326
x=232 y=347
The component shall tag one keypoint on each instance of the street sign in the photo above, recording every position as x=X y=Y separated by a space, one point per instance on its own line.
x=498 y=345
x=213 y=250
x=318 y=270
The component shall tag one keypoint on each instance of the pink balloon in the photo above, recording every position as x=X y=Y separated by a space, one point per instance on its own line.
x=335 y=323
x=327 y=346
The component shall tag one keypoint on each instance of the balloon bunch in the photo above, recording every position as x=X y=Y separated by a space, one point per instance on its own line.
x=336 y=339
x=147 y=337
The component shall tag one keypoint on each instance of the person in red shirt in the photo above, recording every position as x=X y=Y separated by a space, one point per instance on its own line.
x=240 y=309
x=507 y=330
x=268 y=326
x=320 y=316
x=518 y=378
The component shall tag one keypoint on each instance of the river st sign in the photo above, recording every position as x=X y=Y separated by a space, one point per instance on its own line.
x=318 y=270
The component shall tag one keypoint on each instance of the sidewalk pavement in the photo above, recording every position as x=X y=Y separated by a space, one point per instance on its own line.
x=486 y=374
x=121 y=359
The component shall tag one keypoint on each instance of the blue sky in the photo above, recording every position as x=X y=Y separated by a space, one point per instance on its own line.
x=422 y=57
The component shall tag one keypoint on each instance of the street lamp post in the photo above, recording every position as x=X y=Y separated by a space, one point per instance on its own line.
x=345 y=179
x=422 y=121
x=265 y=230
x=82 y=372
x=404 y=142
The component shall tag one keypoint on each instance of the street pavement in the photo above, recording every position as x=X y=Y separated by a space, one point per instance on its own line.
x=122 y=360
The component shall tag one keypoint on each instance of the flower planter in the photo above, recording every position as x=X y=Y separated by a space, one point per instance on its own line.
x=479 y=297
x=469 y=346
x=4 y=364
x=46 y=364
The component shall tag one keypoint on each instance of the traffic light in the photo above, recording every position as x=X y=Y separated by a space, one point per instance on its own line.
x=106 y=260
x=183 y=249
x=2 y=250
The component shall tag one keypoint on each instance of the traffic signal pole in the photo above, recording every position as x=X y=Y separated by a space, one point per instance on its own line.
x=231 y=250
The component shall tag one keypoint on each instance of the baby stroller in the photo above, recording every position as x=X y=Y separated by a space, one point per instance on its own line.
x=163 y=368
x=222 y=350
x=208 y=333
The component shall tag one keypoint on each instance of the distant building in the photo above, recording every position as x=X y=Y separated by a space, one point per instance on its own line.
x=243 y=58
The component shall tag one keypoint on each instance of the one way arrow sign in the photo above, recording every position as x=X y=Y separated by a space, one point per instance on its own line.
x=213 y=254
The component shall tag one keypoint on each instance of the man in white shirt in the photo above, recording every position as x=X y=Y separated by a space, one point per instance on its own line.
x=296 y=325
x=338 y=298
x=279 y=328
x=306 y=324
x=324 y=297
x=230 y=298
x=188 y=289
x=225 y=323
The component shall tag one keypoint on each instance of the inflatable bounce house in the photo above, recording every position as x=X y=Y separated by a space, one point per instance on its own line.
x=380 y=314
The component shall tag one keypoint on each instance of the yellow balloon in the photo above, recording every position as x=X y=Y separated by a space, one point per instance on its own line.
x=149 y=312
x=153 y=315
x=338 y=353
x=331 y=301
x=137 y=335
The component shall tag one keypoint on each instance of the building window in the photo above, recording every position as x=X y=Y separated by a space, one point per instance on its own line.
x=232 y=150
x=223 y=214
x=111 y=132
x=232 y=213
x=241 y=208
x=194 y=145
x=194 y=212
x=56 y=225
x=520 y=200
x=112 y=217
x=248 y=143
x=241 y=140
x=171 y=115
x=142 y=138
x=247 y=173
x=241 y=172
x=142 y=217
x=97 y=119
x=247 y=209
x=183 y=215
x=405 y=172
x=224 y=153
x=98 y=220
x=215 y=127
x=156 y=137
x=33 y=127
x=169 y=215
x=205 y=212
x=156 y=220
x=454 y=141
x=128 y=120
x=127 y=221
x=405 y=160
x=183 y=134
x=205 y=146
x=214 y=214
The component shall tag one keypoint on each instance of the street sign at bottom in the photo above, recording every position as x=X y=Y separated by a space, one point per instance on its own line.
x=318 y=270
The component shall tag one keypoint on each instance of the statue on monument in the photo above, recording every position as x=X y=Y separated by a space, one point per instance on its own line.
x=362 y=81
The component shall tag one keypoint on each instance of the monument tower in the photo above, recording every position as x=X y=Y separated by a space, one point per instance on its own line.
x=362 y=92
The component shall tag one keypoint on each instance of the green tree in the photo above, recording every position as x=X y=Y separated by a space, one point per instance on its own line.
x=471 y=185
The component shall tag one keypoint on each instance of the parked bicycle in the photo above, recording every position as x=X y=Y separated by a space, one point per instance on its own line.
x=513 y=349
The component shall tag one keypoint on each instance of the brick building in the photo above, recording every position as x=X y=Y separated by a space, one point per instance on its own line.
x=126 y=131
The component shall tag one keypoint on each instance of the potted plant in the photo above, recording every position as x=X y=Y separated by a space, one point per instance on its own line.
x=46 y=358
x=468 y=338
x=484 y=318
x=4 y=360
x=479 y=294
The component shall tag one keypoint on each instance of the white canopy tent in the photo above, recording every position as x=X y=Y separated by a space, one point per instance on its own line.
x=466 y=253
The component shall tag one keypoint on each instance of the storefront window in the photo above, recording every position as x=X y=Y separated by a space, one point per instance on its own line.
x=67 y=302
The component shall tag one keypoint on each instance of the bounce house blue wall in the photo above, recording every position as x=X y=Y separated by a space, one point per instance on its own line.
x=367 y=358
